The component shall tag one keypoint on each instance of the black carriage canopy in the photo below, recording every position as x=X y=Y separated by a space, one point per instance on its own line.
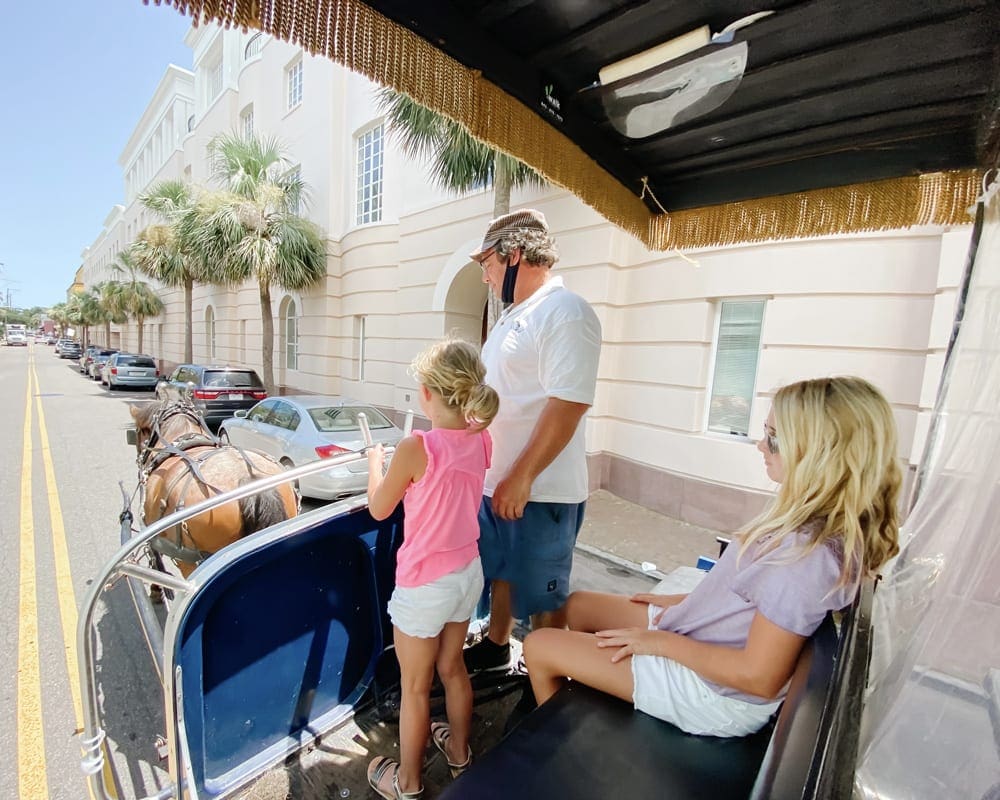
x=693 y=123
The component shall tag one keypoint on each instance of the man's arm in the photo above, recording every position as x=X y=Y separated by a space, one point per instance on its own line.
x=555 y=427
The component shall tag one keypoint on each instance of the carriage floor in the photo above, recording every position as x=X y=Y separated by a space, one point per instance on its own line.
x=336 y=765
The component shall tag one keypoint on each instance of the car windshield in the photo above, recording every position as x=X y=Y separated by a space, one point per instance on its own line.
x=232 y=378
x=136 y=361
x=332 y=419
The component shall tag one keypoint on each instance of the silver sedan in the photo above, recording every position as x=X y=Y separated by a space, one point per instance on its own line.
x=299 y=429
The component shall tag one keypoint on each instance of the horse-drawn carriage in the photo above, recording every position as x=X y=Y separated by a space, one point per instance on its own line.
x=798 y=129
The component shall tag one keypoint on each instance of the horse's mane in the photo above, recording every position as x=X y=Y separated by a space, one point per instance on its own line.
x=146 y=413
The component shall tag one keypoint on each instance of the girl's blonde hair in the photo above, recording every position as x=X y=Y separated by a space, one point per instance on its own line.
x=453 y=370
x=837 y=441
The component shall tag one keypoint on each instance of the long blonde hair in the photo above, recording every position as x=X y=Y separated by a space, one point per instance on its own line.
x=453 y=369
x=837 y=440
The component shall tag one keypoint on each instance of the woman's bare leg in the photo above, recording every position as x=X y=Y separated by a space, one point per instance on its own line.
x=457 y=689
x=553 y=655
x=595 y=611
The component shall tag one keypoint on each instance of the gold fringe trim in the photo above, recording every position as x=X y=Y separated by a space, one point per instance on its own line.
x=351 y=33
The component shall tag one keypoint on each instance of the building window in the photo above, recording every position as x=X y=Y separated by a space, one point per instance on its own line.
x=290 y=333
x=294 y=83
x=362 y=344
x=369 y=200
x=210 y=331
x=190 y=123
x=253 y=47
x=246 y=122
x=215 y=81
x=736 y=357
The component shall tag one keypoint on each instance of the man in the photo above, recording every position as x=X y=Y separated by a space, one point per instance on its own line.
x=541 y=357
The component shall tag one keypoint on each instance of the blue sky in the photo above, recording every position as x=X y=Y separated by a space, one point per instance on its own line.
x=74 y=79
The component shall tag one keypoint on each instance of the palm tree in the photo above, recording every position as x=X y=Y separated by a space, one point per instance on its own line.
x=458 y=162
x=249 y=230
x=83 y=309
x=130 y=296
x=108 y=310
x=58 y=315
x=163 y=251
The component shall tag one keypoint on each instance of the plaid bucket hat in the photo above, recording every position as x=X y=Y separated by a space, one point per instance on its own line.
x=524 y=220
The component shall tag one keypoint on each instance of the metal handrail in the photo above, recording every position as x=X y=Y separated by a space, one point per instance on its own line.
x=92 y=736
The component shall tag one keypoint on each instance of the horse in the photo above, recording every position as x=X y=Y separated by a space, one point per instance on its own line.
x=181 y=463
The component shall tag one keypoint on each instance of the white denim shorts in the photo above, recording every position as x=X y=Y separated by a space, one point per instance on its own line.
x=674 y=693
x=423 y=611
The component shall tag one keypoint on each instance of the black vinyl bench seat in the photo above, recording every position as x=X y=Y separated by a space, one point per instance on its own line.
x=586 y=745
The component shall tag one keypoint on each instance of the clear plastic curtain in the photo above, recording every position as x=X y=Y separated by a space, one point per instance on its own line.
x=931 y=726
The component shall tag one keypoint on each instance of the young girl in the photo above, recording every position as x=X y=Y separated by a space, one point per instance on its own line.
x=439 y=476
x=718 y=661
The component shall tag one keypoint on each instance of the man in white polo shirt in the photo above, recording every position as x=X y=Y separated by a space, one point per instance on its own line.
x=541 y=357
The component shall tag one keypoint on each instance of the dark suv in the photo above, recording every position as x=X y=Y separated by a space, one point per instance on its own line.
x=217 y=392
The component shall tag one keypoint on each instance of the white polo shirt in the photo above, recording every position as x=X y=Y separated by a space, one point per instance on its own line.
x=547 y=345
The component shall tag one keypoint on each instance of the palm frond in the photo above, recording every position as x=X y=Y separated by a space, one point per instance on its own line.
x=458 y=161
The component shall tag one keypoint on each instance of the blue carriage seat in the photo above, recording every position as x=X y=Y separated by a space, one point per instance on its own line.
x=279 y=642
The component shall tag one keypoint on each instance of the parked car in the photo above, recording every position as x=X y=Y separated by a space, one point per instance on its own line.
x=70 y=349
x=129 y=369
x=218 y=392
x=50 y=340
x=59 y=345
x=97 y=363
x=87 y=357
x=298 y=429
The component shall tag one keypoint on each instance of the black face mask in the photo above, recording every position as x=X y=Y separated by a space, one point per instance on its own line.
x=509 y=280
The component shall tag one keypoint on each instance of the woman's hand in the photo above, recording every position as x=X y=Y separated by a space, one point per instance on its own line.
x=629 y=641
x=661 y=601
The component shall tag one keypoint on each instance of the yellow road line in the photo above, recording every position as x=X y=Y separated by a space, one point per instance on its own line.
x=31 y=778
x=64 y=579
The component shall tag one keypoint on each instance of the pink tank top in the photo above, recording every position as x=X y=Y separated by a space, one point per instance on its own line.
x=442 y=508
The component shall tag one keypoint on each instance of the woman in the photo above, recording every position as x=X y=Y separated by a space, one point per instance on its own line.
x=718 y=661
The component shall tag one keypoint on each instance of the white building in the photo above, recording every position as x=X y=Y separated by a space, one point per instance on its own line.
x=693 y=344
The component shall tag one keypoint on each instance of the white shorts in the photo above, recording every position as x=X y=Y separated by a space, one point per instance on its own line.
x=674 y=693
x=423 y=611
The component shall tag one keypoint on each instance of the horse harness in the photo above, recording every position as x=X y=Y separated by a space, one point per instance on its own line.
x=150 y=459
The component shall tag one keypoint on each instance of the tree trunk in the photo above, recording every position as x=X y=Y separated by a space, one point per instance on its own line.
x=139 y=321
x=267 y=338
x=107 y=333
x=188 y=332
x=501 y=205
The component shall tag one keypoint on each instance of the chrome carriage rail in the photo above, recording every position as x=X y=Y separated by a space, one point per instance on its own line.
x=124 y=564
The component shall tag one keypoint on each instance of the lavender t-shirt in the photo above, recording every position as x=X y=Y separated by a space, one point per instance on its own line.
x=793 y=594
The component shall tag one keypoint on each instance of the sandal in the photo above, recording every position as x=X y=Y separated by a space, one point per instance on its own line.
x=440 y=734
x=377 y=770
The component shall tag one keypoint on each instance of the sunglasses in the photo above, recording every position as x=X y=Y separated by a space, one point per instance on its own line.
x=771 y=440
x=485 y=258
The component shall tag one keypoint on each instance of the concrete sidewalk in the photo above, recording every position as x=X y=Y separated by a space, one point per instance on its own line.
x=632 y=534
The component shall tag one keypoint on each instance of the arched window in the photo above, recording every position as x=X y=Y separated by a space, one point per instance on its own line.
x=210 y=331
x=290 y=333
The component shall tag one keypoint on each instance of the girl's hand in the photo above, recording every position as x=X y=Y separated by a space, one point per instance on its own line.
x=629 y=641
x=376 y=459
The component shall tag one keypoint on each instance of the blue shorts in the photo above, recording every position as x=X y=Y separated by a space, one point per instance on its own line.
x=533 y=554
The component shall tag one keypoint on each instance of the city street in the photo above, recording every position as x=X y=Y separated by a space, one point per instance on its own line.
x=65 y=446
